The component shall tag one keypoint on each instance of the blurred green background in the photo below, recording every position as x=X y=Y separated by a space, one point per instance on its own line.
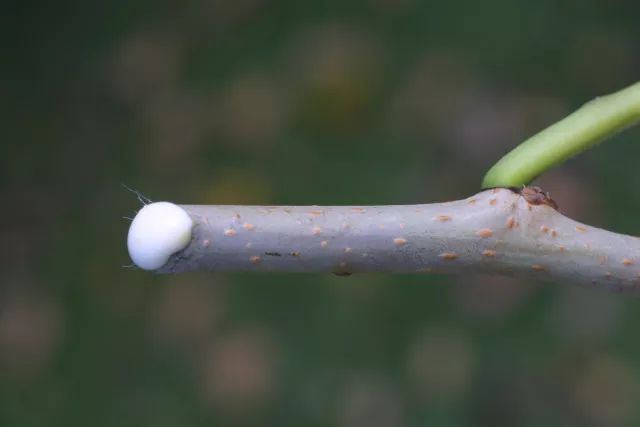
x=300 y=102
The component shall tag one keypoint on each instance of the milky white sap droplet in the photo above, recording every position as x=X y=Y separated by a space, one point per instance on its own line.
x=158 y=231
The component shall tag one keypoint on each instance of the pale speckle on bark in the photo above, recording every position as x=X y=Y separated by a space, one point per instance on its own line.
x=399 y=241
x=484 y=233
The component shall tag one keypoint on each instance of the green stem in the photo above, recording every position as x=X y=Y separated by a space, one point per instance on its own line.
x=591 y=124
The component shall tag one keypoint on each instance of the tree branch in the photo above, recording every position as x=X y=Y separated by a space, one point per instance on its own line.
x=496 y=231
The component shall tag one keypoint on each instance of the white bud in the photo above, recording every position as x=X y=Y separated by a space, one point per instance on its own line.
x=158 y=231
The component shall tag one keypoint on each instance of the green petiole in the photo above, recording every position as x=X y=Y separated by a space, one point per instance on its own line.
x=589 y=125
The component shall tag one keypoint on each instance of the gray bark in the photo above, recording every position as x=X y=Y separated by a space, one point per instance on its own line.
x=495 y=231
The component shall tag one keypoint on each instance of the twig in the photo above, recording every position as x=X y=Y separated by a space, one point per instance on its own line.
x=496 y=231
x=589 y=125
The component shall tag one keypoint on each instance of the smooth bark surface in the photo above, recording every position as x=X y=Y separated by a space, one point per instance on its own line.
x=496 y=231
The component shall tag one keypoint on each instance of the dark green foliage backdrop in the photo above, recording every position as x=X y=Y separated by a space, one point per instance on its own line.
x=300 y=102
